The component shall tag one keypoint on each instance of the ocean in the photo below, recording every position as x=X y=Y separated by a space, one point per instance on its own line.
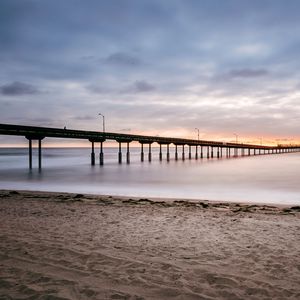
x=271 y=179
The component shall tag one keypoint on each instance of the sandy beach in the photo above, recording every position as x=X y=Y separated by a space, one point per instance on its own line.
x=68 y=246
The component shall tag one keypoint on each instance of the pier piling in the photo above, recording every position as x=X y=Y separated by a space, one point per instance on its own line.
x=101 y=156
x=149 y=154
x=40 y=154
x=93 y=155
x=142 y=152
x=128 y=154
x=168 y=152
x=30 y=153
x=160 y=153
x=120 y=153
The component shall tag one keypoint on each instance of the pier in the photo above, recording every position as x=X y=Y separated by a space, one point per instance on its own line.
x=213 y=148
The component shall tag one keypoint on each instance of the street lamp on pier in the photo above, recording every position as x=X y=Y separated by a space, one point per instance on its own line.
x=103 y=122
x=236 y=137
x=198 y=133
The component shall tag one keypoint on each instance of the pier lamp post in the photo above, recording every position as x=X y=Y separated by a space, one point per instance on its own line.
x=103 y=120
x=236 y=137
x=198 y=133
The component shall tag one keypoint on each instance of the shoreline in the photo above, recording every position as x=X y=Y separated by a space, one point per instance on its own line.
x=161 y=200
x=79 y=246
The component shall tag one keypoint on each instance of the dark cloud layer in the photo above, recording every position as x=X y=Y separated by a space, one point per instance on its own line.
x=143 y=86
x=122 y=59
x=222 y=65
x=18 y=88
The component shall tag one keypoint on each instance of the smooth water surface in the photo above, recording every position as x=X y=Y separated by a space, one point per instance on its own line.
x=261 y=179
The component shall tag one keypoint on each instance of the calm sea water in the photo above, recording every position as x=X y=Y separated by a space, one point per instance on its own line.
x=263 y=179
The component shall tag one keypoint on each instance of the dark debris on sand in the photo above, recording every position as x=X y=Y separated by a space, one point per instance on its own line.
x=236 y=208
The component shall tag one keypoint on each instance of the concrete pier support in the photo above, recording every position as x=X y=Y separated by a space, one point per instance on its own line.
x=149 y=154
x=120 y=153
x=207 y=152
x=176 y=153
x=183 y=154
x=30 y=153
x=201 y=152
x=212 y=152
x=221 y=151
x=218 y=152
x=101 y=156
x=39 y=139
x=40 y=154
x=249 y=152
x=93 y=154
x=128 y=154
x=196 y=153
x=190 y=152
x=160 y=153
x=168 y=152
x=142 y=152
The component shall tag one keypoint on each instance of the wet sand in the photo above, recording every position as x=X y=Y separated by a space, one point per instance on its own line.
x=68 y=246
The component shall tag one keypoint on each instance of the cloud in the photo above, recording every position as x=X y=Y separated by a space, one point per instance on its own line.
x=122 y=59
x=247 y=73
x=18 y=88
x=253 y=50
x=161 y=63
x=141 y=86
x=83 y=118
x=98 y=89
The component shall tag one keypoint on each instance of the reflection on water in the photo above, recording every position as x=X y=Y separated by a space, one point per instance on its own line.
x=265 y=178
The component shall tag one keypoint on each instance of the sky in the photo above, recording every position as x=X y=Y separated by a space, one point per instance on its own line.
x=159 y=67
